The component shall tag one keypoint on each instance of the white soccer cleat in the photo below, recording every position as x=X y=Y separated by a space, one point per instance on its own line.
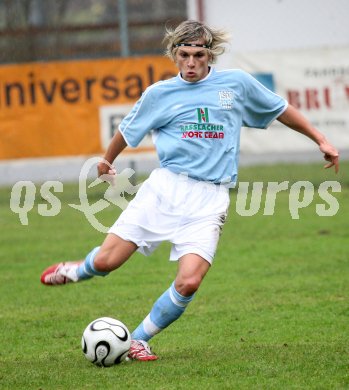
x=140 y=350
x=60 y=273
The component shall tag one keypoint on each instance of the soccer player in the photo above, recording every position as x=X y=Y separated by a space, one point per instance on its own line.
x=196 y=119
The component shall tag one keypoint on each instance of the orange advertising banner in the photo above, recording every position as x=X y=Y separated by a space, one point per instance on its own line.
x=54 y=109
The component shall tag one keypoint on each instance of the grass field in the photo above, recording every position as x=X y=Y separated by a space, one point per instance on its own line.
x=273 y=312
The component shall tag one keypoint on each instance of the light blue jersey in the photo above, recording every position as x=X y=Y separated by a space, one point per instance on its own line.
x=196 y=125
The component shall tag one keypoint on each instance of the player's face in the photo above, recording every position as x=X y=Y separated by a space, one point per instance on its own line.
x=192 y=62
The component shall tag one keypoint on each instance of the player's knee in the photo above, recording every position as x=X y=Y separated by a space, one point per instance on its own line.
x=188 y=286
x=104 y=262
x=100 y=262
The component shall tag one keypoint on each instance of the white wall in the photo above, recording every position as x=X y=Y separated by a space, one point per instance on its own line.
x=277 y=24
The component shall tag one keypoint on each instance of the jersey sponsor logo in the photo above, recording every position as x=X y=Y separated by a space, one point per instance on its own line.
x=202 y=134
x=203 y=126
x=226 y=99
x=202 y=115
x=202 y=129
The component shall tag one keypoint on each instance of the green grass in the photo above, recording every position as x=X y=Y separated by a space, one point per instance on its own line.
x=273 y=312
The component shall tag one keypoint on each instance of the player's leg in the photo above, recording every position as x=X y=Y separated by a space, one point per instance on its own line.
x=113 y=253
x=99 y=262
x=192 y=269
x=170 y=305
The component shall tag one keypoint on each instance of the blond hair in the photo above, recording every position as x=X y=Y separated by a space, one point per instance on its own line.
x=190 y=31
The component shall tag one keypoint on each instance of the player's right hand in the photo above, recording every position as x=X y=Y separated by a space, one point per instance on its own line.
x=106 y=171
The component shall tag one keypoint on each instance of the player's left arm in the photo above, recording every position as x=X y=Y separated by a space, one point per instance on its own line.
x=293 y=119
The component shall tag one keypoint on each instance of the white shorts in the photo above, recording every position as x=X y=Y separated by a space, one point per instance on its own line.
x=172 y=207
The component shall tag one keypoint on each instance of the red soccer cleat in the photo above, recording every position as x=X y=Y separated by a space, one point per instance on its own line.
x=60 y=273
x=140 y=350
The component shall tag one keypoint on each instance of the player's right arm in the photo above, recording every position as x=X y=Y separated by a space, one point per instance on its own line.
x=116 y=146
x=143 y=117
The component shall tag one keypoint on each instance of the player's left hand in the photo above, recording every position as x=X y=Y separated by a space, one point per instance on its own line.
x=331 y=155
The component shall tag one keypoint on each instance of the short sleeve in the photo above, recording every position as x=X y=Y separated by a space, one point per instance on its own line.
x=261 y=106
x=139 y=121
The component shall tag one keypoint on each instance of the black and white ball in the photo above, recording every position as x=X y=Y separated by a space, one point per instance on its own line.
x=106 y=341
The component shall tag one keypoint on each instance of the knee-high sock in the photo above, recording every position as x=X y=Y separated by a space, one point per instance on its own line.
x=168 y=308
x=86 y=270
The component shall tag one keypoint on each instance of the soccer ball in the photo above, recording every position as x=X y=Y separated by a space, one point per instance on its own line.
x=106 y=341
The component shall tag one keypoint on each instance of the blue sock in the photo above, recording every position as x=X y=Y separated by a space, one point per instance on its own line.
x=86 y=270
x=167 y=309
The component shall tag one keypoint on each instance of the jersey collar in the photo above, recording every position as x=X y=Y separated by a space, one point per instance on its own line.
x=211 y=71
